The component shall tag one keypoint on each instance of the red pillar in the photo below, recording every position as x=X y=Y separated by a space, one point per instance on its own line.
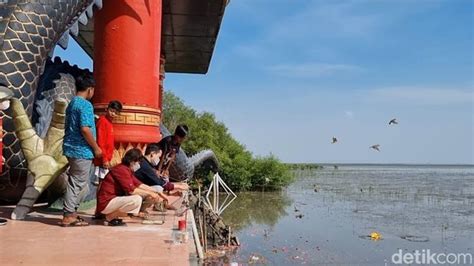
x=127 y=40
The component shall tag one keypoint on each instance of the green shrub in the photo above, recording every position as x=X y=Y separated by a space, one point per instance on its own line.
x=238 y=167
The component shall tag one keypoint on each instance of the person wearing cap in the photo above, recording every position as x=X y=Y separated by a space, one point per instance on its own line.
x=5 y=96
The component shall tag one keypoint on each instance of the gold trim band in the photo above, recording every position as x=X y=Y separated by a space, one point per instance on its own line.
x=134 y=115
x=136 y=119
x=102 y=107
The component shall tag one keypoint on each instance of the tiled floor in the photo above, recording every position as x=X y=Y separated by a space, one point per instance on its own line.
x=40 y=241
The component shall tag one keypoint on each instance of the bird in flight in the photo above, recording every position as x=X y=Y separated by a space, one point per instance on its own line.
x=393 y=121
x=375 y=147
x=334 y=140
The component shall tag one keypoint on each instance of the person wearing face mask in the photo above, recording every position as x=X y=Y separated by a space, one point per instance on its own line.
x=147 y=173
x=149 y=176
x=121 y=193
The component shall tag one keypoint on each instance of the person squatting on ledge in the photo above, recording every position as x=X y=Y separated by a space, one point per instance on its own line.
x=121 y=193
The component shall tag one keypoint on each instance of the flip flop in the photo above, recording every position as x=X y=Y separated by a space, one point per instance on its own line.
x=77 y=223
x=115 y=222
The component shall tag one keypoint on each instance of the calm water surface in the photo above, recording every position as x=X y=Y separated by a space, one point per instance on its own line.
x=326 y=215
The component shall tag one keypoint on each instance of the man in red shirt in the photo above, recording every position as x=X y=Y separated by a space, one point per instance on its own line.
x=105 y=139
x=121 y=193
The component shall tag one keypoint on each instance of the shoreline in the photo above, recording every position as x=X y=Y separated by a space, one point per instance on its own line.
x=379 y=164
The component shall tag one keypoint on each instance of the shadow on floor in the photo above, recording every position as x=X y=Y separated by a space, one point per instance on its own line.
x=45 y=215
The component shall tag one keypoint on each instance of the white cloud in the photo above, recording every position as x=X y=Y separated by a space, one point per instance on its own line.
x=309 y=70
x=423 y=95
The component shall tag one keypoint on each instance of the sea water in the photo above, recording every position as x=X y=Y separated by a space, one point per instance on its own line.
x=326 y=216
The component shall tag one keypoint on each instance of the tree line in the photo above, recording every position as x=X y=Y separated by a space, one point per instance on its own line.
x=239 y=168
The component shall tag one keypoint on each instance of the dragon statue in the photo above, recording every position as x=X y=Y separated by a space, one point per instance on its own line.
x=33 y=127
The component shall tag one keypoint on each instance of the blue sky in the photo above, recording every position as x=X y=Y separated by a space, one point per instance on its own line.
x=287 y=76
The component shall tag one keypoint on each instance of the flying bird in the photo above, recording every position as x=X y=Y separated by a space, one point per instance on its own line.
x=393 y=121
x=296 y=210
x=334 y=140
x=375 y=147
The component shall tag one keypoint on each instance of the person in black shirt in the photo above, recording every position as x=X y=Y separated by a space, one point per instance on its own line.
x=149 y=176
x=147 y=172
x=170 y=146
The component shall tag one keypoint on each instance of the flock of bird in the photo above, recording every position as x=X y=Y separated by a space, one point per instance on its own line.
x=375 y=147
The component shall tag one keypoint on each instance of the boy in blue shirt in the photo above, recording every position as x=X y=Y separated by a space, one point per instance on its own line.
x=80 y=147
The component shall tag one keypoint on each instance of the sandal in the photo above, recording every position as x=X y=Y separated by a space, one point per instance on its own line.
x=78 y=222
x=115 y=222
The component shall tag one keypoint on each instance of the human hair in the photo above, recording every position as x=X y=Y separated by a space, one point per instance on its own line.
x=152 y=148
x=84 y=82
x=181 y=131
x=131 y=156
x=116 y=105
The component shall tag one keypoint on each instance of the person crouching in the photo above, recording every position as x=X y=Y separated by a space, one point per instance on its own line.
x=121 y=193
